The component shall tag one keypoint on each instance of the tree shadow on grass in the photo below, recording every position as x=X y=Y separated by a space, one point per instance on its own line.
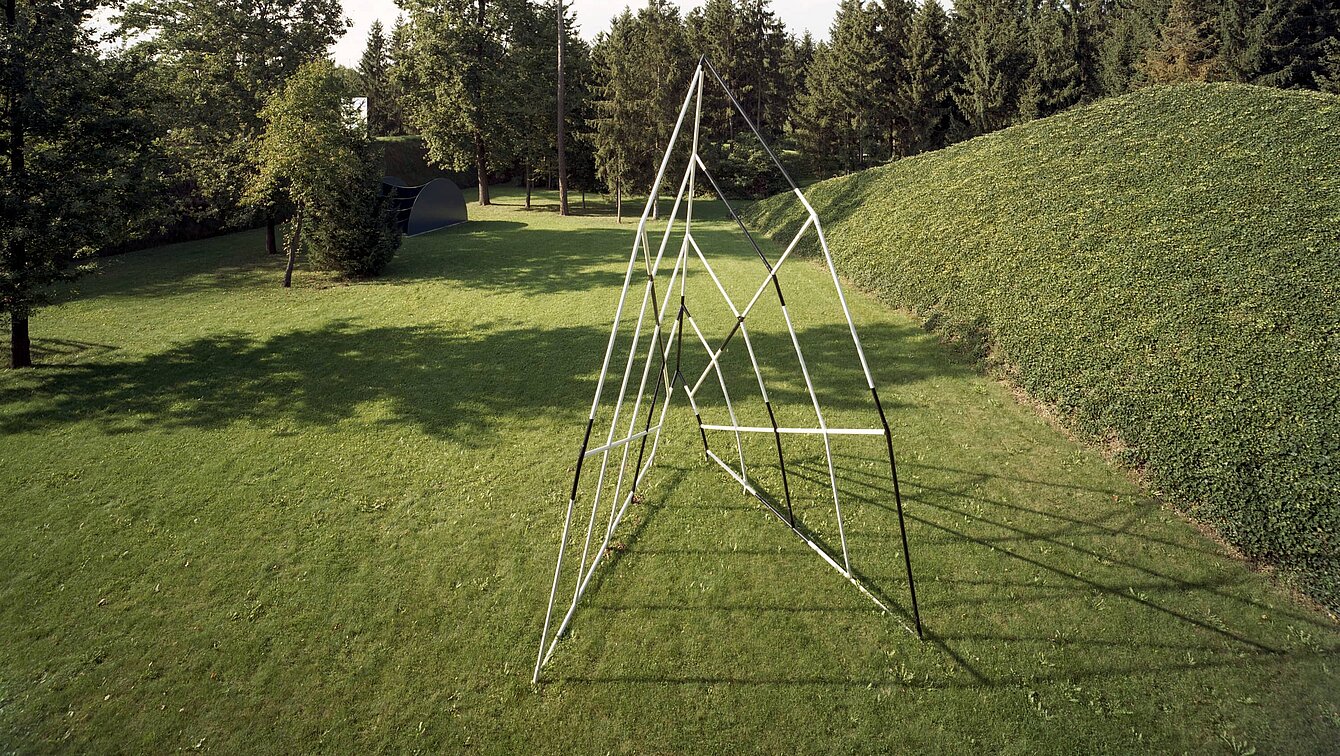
x=448 y=385
x=1050 y=591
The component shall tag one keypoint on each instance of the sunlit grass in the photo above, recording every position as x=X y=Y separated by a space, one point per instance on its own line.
x=240 y=518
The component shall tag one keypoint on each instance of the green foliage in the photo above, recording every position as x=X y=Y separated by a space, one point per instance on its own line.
x=930 y=77
x=72 y=135
x=461 y=86
x=1187 y=50
x=374 y=75
x=743 y=169
x=353 y=228
x=992 y=54
x=1296 y=37
x=841 y=104
x=641 y=67
x=1055 y=76
x=216 y=63
x=318 y=156
x=1163 y=268
x=312 y=136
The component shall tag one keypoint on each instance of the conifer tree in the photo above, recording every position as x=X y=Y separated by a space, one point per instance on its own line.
x=840 y=128
x=991 y=54
x=715 y=31
x=1239 y=39
x=531 y=55
x=398 y=77
x=1091 y=19
x=661 y=66
x=1129 y=33
x=372 y=69
x=1298 y=39
x=1054 y=78
x=762 y=75
x=928 y=91
x=616 y=123
x=1186 y=48
x=893 y=22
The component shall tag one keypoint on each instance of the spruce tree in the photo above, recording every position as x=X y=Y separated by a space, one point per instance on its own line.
x=992 y=56
x=928 y=91
x=372 y=69
x=893 y=22
x=531 y=54
x=762 y=75
x=1240 y=39
x=616 y=123
x=1131 y=31
x=840 y=123
x=715 y=31
x=796 y=63
x=661 y=67
x=1186 y=50
x=1054 y=78
x=1297 y=42
x=398 y=77
x=1091 y=19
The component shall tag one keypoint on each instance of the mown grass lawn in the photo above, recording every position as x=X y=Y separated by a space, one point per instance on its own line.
x=239 y=518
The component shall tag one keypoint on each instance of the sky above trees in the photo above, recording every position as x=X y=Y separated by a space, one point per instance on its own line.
x=593 y=17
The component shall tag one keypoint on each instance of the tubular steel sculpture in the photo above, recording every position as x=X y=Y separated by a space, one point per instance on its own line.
x=664 y=348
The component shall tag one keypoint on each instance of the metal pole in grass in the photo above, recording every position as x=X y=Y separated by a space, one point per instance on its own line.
x=658 y=353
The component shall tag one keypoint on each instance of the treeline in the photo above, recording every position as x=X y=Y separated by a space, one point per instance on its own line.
x=894 y=78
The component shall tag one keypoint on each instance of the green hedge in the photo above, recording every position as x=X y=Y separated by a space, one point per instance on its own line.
x=1163 y=267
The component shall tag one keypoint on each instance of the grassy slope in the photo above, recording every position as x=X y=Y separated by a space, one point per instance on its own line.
x=1164 y=267
x=246 y=519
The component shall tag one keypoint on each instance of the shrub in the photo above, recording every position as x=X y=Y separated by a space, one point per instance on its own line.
x=353 y=228
x=743 y=169
x=1163 y=268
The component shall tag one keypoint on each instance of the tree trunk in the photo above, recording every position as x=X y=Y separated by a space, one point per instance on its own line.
x=20 y=354
x=271 y=246
x=481 y=150
x=618 y=203
x=293 y=248
x=20 y=347
x=482 y=169
x=562 y=118
x=583 y=199
x=529 y=183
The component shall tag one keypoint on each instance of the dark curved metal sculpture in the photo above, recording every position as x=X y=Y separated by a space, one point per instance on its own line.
x=420 y=209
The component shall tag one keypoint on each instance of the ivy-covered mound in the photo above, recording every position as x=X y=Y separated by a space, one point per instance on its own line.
x=1164 y=267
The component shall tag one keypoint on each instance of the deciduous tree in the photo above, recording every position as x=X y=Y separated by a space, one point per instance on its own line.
x=71 y=139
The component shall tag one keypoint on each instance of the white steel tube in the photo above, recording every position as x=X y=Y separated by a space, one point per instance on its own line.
x=806 y=431
x=828 y=449
x=730 y=409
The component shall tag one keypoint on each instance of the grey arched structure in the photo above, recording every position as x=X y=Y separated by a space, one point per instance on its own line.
x=420 y=209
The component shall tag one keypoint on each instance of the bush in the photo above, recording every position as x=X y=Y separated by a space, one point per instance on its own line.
x=353 y=228
x=1163 y=268
x=743 y=169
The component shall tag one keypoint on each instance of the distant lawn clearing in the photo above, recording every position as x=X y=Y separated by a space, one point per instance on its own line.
x=239 y=518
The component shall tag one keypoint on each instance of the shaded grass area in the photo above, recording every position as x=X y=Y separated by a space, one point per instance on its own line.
x=240 y=518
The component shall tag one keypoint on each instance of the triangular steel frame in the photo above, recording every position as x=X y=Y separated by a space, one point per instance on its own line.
x=659 y=349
